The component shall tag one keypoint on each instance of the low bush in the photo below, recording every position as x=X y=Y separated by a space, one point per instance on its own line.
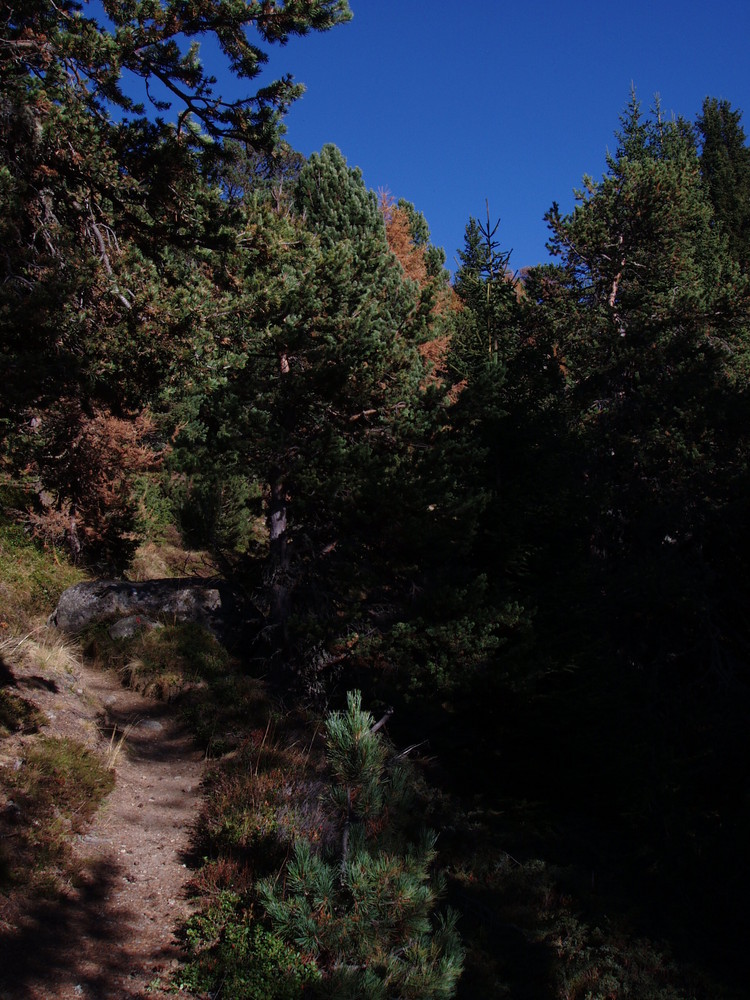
x=236 y=954
x=32 y=576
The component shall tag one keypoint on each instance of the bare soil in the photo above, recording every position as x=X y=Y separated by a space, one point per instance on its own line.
x=112 y=933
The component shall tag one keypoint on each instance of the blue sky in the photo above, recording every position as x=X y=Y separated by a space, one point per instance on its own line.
x=447 y=104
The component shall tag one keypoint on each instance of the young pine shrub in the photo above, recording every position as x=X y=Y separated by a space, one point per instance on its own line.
x=364 y=907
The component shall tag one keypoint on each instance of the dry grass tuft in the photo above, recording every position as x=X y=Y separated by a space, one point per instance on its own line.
x=160 y=560
x=117 y=745
x=42 y=649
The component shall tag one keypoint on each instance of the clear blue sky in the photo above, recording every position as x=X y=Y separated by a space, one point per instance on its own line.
x=447 y=104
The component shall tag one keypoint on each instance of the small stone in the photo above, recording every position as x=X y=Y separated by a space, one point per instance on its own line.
x=126 y=628
x=151 y=725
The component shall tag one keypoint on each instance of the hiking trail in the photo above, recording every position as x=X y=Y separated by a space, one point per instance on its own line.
x=112 y=934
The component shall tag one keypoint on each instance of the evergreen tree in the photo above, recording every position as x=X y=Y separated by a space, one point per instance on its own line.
x=113 y=224
x=725 y=168
x=319 y=399
x=476 y=481
x=364 y=908
x=649 y=314
x=486 y=290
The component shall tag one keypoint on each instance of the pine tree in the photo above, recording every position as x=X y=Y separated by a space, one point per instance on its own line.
x=319 y=400
x=113 y=224
x=364 y=909
x=648 y=310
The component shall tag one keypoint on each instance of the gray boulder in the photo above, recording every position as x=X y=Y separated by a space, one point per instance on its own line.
x=207 y=602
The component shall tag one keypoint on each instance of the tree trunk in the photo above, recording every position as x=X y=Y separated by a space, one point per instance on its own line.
x=278 y=575
x=278 y=558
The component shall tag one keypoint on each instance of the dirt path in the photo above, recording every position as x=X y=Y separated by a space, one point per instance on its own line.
x=114 y=934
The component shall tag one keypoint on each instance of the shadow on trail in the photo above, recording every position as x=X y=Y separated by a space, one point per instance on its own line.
x=150 y=734
x=73 y=939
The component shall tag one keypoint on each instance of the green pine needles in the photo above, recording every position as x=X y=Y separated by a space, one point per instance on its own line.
x=363 y=907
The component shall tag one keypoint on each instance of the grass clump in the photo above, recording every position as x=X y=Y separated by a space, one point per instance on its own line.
x=17 y=715
x=223 y=713
x=186 y=662
x=52 y=795
x=259 y=799
x=44 y=650
x=160 y=662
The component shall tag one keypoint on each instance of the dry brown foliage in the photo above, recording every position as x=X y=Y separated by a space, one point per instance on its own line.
x=411 y=257
x=400 y=241
x=86 y=460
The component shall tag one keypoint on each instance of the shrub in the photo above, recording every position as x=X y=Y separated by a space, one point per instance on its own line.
x=249 y=962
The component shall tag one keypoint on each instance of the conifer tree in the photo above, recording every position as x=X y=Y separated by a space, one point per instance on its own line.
x=725 y=168
x=319 y=398
x=649 y=312
x=364 y=907
x=113 y=224
x=487 y=291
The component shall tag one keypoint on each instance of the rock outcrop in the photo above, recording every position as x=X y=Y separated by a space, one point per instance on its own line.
x=208 y=602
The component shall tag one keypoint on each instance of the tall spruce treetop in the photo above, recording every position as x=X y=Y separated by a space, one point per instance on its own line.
x=650 y=315
x=725 y=166
x=486 y=290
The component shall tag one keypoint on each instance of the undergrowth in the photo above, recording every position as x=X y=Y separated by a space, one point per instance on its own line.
x=533 y=928
x=231 y=948
x=31 y=577
x=159 y=662
x=259 y=798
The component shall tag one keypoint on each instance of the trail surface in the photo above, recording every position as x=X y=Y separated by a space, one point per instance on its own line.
x=112 y=935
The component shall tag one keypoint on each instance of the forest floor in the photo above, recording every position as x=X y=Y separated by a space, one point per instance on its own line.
x=111 y=933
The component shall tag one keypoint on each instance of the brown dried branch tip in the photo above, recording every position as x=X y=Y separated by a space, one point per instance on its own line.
x=86 y=461
x=413 y=259
x=401 y=242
